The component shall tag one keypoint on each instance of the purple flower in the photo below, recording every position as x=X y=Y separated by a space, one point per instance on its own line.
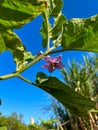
x=53 y=63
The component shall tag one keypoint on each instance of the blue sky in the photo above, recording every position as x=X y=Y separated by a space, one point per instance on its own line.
x=18 y=96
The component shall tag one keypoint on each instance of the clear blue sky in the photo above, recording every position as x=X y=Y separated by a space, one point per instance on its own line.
x=18 y=96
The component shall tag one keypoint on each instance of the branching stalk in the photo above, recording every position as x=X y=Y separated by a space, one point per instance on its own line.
x=37 y=58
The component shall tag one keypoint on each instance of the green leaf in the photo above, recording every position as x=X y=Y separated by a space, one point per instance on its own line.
x=56 y=7
x=41 y=77
x=45 y=29
x=58 y=23
x=16 y=13
x=76 y=103
x=81 y=34
x=2 y=44
x=51 y=30
x=3 y=128
x=12 y=43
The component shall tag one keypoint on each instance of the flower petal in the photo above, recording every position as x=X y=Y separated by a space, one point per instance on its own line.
x=60 y=65
x=53 y=63
x=49 y=67
x=46 y=66
x=47 y=58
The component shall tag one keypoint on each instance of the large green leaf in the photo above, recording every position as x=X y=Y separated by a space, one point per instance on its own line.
x=76 y=103
x=14 y=14
x=81 y=34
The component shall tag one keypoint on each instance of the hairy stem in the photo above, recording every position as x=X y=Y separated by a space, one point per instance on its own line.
x=37 y=58
x=47 y=24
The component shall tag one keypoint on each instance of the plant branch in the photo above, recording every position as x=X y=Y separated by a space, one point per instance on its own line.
x=65 y=50
x=37 y=58
x=26 y=80
x=7 y=76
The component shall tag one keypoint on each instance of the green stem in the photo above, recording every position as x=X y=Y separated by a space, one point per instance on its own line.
x=65 y=50
x=26 y=80
x=37 y=58
x=7 y=76
x=47 y=25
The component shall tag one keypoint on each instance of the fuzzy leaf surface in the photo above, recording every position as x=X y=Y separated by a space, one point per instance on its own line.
x=16 y=13
x=53 y=21
x=81 y=34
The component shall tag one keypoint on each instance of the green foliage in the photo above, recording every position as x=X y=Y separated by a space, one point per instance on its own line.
x=76 y=103
x=81 y=34
x=48 y=125
x=41 y=77
x=74 y=34
x=52 y=30
x=12 y=43
x=3 y=128
x=34 y=127
x=59 y=112
x=12 y=122
x=14 y=14
x=82 y=77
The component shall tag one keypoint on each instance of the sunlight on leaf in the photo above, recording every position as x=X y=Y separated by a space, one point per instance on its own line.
x=16 y=13
x=53 y=21
x=81 y=34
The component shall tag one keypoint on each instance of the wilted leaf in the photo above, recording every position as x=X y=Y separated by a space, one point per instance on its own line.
x=81 y=34
x=76 y=103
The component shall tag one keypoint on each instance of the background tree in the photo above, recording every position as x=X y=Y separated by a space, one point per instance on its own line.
x=60 y=113
x=12 y=122
x=48 y=124
x=83 y=78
